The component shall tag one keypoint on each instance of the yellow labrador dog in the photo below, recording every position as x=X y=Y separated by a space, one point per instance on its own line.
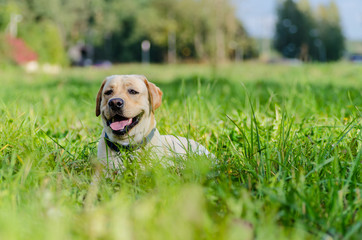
x=126 y=104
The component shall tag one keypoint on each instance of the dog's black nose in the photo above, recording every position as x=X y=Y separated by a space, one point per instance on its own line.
x=115 y=103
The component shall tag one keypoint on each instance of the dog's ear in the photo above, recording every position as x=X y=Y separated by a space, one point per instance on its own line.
x=154 y=94
x=99 y=98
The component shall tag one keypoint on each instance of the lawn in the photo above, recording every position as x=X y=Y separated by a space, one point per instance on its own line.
x=287 y=138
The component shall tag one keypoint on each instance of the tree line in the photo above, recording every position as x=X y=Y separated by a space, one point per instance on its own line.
x=199 y=30
x=182 y=30
x=309 y=35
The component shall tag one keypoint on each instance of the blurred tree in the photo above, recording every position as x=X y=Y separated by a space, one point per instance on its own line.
x=190 y=29
x=4 y=51
x=45 y=39
x=308 y=48
x=242 y=46
x=158 y=21
x=292 y=30
x=6 y=9
x=302 y=34
x=331 y=43
x=202 y=29
x=114 y=31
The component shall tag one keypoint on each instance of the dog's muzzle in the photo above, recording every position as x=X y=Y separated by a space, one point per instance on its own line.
x=121 y=125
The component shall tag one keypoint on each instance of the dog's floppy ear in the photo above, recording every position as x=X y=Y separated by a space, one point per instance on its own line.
x=154 y=93
x=99 y=98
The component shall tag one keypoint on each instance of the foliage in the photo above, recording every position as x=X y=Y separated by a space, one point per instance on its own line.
x=6 y=9
x=291 y=30
x=288 y=143
x=302 y=34
x=203 y=30
x=44 y=38
x=4 y=51
x=330 y=32
x=191 y=22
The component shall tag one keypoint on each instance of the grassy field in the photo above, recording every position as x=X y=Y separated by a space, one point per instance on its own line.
x=288 y=140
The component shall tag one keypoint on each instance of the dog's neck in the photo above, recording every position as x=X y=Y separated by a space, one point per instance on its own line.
x=130 y=147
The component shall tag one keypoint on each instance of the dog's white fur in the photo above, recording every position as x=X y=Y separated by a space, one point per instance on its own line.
x=147 y=100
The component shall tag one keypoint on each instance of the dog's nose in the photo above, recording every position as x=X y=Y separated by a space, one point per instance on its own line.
x=115 y=103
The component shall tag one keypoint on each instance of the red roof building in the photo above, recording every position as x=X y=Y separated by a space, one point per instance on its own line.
x=20 y=52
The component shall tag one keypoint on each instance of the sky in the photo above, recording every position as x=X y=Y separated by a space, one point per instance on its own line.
x=259 y=16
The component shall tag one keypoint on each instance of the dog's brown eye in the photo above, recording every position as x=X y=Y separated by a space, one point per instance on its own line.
x=109 y=92
x=133 y=92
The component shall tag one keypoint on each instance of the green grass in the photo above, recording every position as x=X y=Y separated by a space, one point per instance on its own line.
x=288 y=140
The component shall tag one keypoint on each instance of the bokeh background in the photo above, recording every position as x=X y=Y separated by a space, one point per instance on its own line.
x=51 y=34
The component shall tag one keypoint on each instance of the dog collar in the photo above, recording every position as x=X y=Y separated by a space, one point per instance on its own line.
x=117 y=147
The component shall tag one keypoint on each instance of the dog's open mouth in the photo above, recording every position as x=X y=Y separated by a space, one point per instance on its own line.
x=121 y=125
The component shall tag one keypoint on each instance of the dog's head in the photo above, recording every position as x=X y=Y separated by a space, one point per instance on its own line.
x=126 y=104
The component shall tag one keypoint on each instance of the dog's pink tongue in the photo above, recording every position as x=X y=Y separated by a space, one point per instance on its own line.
x=116 y=126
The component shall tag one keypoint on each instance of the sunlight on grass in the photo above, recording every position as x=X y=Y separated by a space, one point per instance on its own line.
x=289 y=156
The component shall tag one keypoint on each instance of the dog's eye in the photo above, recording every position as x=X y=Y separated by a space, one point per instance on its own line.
x=133 y=92
x=109 y=92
